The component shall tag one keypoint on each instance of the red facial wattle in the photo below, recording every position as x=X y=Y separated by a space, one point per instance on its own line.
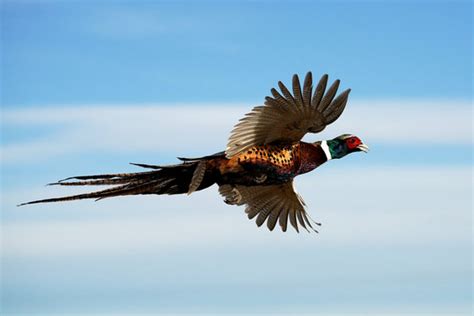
x=353 y=142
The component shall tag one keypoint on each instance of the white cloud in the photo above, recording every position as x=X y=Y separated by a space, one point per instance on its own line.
x=395 y=206
x=203 y=128
x=378 y=205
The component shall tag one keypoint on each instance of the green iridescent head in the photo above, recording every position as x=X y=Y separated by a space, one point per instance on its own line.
x=344 y=145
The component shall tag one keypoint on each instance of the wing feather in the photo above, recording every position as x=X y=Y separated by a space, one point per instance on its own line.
x=301 y=220
x=271 y=203
x=287 y=117
x=273 y=217
x=307 y=90
x=305 y=217
x=328 y=96
x=297 y=92
x=337 y=106
x=284 y=219
x=288 y=97
x=269 y=207
x=292 y=216
x=279 y=98
x=320 y=88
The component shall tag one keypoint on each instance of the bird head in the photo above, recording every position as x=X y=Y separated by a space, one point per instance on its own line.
x=344 y=145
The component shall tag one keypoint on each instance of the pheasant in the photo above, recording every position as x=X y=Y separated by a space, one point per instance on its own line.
x=263 y=155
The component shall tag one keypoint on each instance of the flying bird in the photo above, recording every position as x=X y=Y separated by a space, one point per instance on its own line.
x=264 y=154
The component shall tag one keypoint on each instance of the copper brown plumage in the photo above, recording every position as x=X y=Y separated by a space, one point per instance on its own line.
x=263 y=156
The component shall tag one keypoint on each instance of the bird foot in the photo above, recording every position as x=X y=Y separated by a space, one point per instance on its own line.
x=234 y=198
x=261 y=179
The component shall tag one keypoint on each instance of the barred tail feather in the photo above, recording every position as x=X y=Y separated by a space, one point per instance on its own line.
x=173 y=179
x=98 y=195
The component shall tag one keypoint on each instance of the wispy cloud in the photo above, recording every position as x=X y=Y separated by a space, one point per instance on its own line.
x=205 y=127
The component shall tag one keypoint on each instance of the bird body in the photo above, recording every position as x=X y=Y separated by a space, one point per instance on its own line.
x=263 y=156
x=267 y=164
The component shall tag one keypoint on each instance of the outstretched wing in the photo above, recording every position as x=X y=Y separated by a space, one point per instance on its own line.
x=288 y=117
x=269 y=203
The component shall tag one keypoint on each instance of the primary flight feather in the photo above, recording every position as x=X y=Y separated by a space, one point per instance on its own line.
x=263 y=156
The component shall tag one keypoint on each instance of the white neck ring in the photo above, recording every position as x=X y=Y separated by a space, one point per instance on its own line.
x=325 y=147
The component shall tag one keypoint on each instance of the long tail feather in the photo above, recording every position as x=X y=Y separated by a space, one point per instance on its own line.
x=92 y=195
x=92 y=182
x=106 y=176
x=146 y=166
x=174 y=179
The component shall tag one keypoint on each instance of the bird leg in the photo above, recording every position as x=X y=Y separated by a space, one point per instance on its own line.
x=261 y=179
x=234 y=198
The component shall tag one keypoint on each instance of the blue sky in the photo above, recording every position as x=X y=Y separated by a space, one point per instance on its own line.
x=88 y=86
x=105 y=51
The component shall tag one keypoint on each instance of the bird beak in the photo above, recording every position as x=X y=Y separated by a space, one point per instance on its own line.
x=363 y=147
